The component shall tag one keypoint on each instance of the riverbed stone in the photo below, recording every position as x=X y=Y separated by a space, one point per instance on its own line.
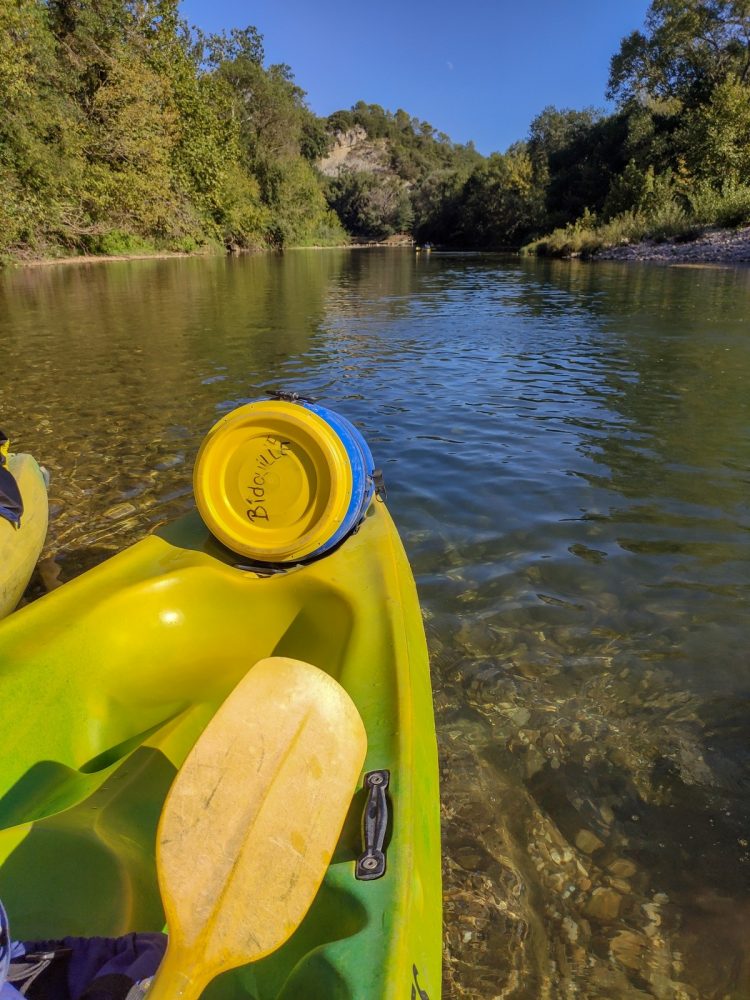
x=604 y=904
x=622 y=868
x=629 y=948
x=588 y=842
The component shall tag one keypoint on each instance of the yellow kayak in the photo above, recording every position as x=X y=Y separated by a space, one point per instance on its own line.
x=105 y=685
x=21 y=546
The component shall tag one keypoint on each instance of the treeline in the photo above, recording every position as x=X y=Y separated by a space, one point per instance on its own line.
x=121 y=130
x=675 y=156
x=672 y=159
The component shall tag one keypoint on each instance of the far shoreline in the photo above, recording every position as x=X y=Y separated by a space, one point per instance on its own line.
x=103 y=258
x=403 y=243
x=714 y=247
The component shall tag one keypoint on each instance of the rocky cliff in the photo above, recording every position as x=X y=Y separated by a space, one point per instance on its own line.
x=353 y=150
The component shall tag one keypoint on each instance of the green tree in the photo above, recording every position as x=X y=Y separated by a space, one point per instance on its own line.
x=241 y=44
x=132 y=129
x=369 y=205
x=715 y=136
x=626 y=191
x=552 y=133
x=436 y=202
x=41 y=133
x=688 y=48
x=279 y=138
x=574 y=155
x=500 y=204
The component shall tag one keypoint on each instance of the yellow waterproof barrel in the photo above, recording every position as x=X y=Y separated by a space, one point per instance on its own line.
x=279 y=481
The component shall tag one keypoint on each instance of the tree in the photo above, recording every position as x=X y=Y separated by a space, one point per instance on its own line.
x=626 y=191
x=436 y=202
x=315 y=139
x=574 y=156
x=370 y=206
x=555 y=128
x=128 y=178
x=715 y=137
x=241 y=44
x=41 y=130
x=552 y=132
x=268 y=107
x=500 y=204
x=687 y=49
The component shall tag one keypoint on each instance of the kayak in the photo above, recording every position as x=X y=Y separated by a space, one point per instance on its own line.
x=21 y=546
x=106 y=684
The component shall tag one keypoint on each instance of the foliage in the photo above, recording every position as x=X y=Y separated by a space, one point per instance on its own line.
x=40 y=130
x=575 y=154
x=662 y=215
x=725 y=206
x=437 y=206
x=370 y=206
x=684 y=90
x=687 y=49
x=715 y=136
x=122 y=130
x=586 y=235
x=499 y=205
x=116 y=243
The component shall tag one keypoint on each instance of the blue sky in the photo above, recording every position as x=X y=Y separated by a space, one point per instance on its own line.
x=477 y=70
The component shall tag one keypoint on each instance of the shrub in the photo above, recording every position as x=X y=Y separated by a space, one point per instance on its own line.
x=729 y=206
x=665 y=220
x=117 y=243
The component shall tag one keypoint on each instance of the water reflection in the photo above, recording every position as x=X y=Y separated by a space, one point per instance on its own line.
x=567 y=455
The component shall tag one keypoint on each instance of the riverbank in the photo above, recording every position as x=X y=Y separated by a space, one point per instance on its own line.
x=728 y=247
x=103 y=258
x=399 y=240
x=714 y=246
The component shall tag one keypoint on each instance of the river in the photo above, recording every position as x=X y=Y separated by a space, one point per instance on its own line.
x=566 y=448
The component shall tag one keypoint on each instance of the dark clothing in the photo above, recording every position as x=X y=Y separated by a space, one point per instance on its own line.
x=87 y=968
x=11 y=504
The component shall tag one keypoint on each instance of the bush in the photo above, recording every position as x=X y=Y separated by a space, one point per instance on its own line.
x=729 y=206
x=117 y=243
x=664 y=214
x=666 y=220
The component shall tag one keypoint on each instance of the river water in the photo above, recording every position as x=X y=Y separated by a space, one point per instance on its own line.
x=567 y=454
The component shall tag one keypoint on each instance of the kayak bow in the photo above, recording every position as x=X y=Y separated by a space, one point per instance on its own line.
x=106 y=684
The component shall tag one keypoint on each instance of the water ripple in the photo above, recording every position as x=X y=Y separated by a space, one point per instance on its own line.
x=567 y=454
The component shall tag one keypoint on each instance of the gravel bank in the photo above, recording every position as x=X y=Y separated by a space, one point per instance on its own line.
x=715 y=246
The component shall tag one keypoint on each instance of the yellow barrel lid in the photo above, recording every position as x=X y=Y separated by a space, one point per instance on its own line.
x=272 y=481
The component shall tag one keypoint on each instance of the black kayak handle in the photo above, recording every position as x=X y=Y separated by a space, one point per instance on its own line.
x=371 y=863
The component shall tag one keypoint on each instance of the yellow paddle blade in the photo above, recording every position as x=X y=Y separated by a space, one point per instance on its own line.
x=252 y=819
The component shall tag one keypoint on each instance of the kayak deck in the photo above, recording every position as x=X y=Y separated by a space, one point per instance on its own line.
x=106 y=684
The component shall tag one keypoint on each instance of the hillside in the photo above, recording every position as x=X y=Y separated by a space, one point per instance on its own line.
x=383 y=170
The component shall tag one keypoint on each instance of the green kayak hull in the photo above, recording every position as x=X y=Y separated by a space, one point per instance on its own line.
x=106 y=683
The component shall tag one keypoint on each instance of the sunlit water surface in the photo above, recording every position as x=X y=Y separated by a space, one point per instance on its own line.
x=567 y=456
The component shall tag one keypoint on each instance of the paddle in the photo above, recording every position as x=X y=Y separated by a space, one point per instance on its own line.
x=252 y=819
